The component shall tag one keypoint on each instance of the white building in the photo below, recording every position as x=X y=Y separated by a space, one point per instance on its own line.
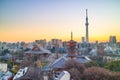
x=65 y=75
x=3 y=67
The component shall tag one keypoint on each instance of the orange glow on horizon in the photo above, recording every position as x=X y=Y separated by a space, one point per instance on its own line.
x=78 y=39
x=31 y=34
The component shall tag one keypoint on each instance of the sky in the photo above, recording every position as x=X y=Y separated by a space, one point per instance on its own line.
x=29 y=20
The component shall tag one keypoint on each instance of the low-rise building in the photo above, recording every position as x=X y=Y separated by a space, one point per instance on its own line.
x=3 y=67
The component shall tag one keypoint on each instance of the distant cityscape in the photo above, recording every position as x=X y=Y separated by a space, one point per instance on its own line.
x=59 y=46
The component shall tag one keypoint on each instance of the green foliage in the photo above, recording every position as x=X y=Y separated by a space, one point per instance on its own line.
x=15 y=69
x=91 y=63
x=42 y=64
x=10 y=64
x=100 y=63
x=113 y=66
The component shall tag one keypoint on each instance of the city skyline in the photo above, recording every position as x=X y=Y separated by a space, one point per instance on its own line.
x=29 y=20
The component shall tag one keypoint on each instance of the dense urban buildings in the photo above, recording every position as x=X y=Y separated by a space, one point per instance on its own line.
x=58 y=52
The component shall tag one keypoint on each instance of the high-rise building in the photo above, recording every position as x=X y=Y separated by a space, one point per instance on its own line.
x=112 y=39
x=86 y=24
x=83 y=39
x=42 y=42
x=56 y=42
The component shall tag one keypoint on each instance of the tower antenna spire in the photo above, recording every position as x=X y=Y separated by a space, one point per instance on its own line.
x=86 y=24
x=86 y=13
x=71 y=35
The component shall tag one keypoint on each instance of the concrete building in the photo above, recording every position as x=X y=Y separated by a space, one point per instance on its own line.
x=3 y=67
x=83 y=39
x=56 y=42
x=112 y=40
x=42 y=42
x=64 y=75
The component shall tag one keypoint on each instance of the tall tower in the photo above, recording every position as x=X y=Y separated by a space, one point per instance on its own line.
x=86 y=24
x=71 y=36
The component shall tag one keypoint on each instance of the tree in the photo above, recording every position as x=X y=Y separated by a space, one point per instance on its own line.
x=75 y=69
x=38 y=63
x=114 y=76
x=113 y=66
x=74 y=64
x=26 y=63
x=79 y=72
x=96 y=73
x=91 y=64
x=75 y=74
x=15 y=69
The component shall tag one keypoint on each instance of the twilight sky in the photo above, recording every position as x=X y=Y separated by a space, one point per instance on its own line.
x=28 y=20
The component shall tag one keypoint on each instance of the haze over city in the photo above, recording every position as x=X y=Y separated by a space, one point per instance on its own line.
x=28 y=20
